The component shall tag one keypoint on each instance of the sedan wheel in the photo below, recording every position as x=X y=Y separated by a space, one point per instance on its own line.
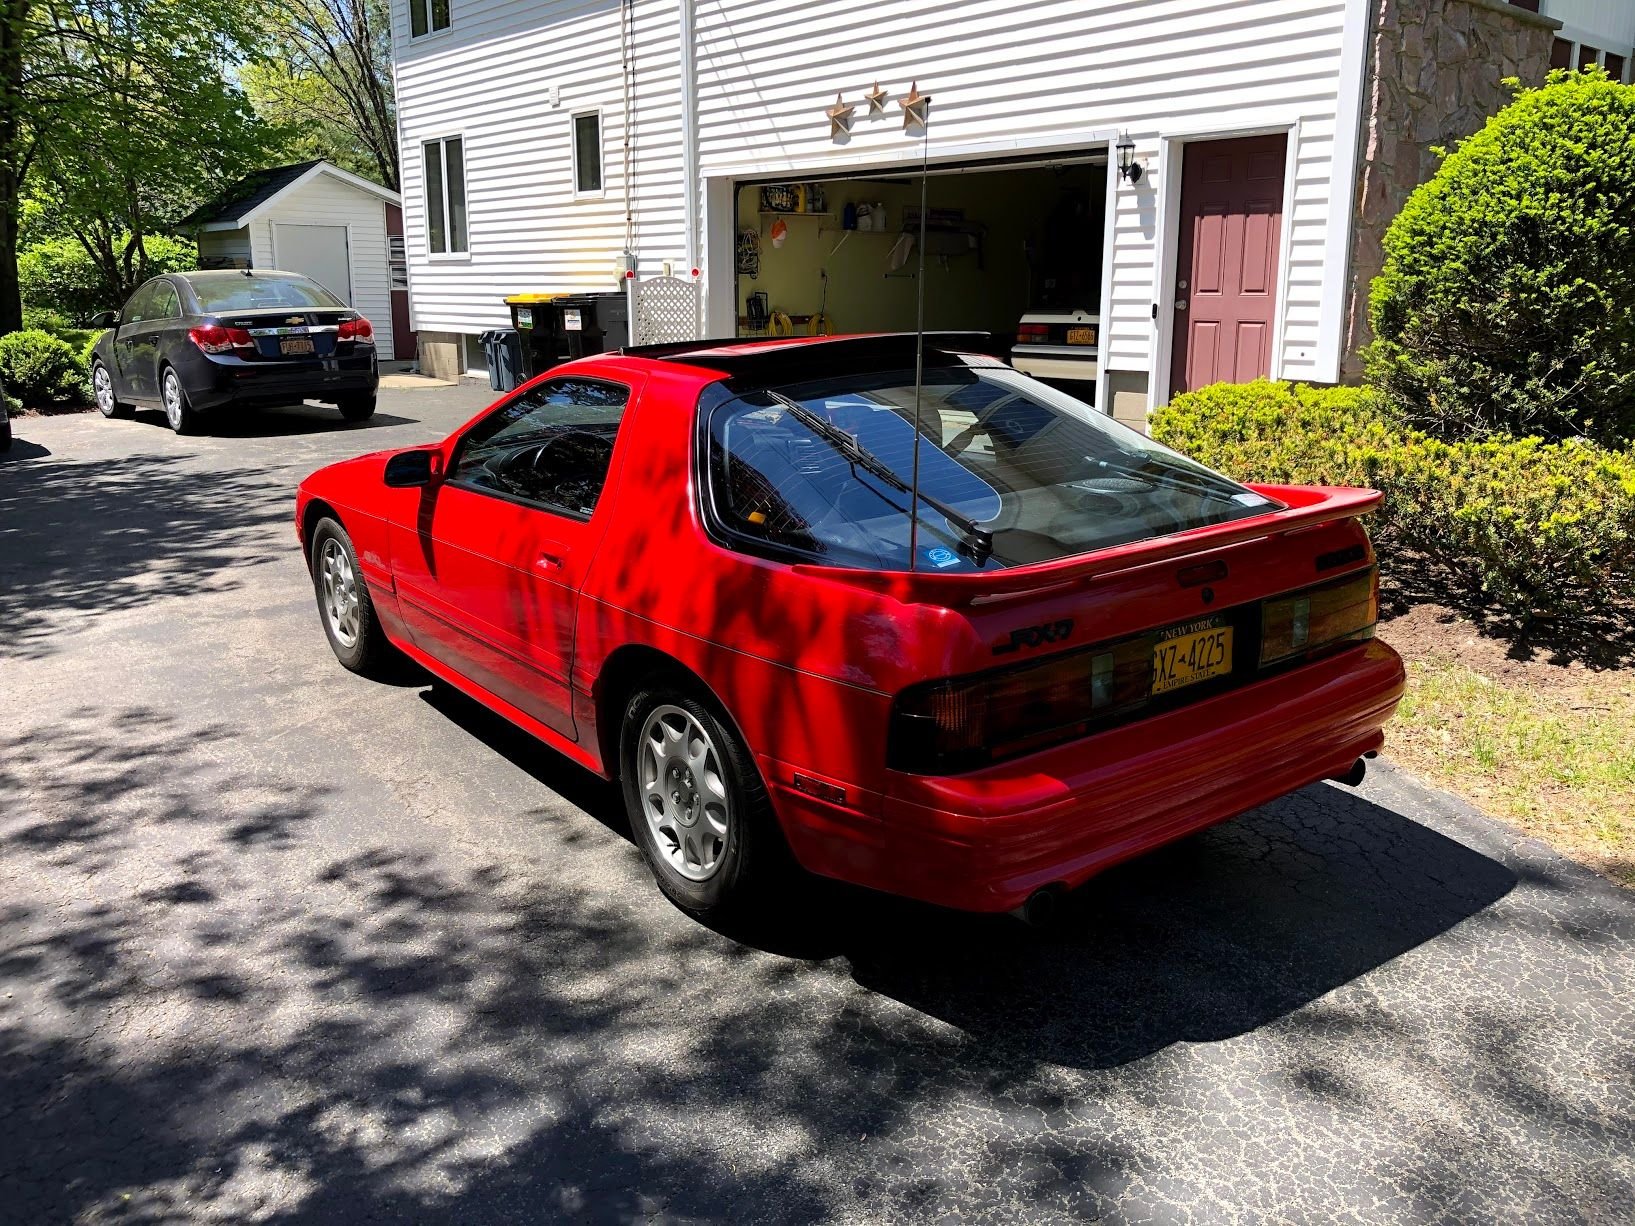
x=684 y=794
x=182 y=419
x=102 y=383
x=344 y=606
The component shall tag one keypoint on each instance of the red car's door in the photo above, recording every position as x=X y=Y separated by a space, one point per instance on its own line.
x=488 y=574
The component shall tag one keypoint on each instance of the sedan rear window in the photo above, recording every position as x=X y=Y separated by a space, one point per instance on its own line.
x=237 y=291
x=1010 y=472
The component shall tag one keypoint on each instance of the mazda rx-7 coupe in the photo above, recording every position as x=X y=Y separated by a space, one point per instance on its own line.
x=953 y=635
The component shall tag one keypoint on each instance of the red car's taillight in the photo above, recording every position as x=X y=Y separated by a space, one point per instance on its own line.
x=359 y=329
x=213 y=338
x=965 y=723
x=1320 y=617
x=962 y=724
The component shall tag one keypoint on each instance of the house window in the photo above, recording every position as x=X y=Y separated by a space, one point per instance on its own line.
x=445 y=196
x=1561 y=54
x=1588 y=56
x=397 y=261
x=1615 y=66
x=427 y=15
x=1530 y=5
x=587 y=154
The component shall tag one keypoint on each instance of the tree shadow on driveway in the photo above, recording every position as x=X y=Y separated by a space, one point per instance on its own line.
x=84 y=538
x=224 y=1005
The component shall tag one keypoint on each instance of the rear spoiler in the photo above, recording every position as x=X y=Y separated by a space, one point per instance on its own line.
x=1305 y=507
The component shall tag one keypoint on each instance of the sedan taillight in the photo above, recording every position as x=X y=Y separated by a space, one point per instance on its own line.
x=359 y=330
x=1033 y=334
x=213 y=338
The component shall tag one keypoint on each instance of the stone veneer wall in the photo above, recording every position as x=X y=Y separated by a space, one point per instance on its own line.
x=1434 y=77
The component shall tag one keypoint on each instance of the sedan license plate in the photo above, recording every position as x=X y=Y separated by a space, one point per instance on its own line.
x=292 y=345
x=1189 y=654
x=1081 y=336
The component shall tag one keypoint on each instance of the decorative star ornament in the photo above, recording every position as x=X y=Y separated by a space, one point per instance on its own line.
x=916 y=107
x=877 y=99
x=840 y=117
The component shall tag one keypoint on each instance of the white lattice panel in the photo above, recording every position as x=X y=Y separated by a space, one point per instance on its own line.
x=665 y=311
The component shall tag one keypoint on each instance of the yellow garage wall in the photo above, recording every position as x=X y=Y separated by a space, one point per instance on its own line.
x=960 y=294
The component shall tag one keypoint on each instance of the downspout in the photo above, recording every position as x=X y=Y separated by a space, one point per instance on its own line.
x=689 y=132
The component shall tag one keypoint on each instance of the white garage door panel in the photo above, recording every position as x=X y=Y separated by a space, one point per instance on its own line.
x=319 y=252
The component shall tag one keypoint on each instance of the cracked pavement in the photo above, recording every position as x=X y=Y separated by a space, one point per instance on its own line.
x=280 y=944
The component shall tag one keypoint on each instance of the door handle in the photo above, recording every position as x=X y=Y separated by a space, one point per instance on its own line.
x=549 y=561
x=1180 y=304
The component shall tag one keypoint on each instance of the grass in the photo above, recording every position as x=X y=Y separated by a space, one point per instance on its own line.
x=1557 y=760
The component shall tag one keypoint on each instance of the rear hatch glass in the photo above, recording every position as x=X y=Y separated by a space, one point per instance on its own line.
x=1010 y=472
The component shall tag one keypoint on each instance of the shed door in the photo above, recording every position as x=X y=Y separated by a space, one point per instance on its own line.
x=319 y=252
x=1226 y=267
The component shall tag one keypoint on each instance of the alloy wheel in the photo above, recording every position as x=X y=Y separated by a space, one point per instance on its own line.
x=173 y=400
x=340 y=592
x=683 y=792
x=102 y=384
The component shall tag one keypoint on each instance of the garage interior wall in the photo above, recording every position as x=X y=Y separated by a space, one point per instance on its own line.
x=987 y=292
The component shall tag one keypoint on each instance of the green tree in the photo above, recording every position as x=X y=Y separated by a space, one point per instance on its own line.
x=116 y=118
x=1506 y=304
x=326 y=83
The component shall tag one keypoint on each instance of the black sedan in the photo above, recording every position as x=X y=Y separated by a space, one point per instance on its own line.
x=197 y=343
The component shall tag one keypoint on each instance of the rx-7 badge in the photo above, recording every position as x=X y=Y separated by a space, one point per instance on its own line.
x=1034 y=636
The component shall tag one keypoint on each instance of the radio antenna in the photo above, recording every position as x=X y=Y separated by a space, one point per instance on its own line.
x=922 y=104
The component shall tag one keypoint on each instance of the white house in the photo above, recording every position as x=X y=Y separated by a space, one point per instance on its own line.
x=1209 y=178
x=323 y=222
x=1592 y=32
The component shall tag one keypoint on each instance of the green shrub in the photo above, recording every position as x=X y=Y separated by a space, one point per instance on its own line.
x=1506 y=304
x=41 y=370
x=1523 y=527
x=58 y=275
x=43 y=319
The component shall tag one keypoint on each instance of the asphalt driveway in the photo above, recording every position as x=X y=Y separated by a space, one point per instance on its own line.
x=277 y=943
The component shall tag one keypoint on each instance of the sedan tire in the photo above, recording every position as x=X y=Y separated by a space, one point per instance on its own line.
x=102 y=386
x=357 y=408
x=344 y=607
x=697 y=806
x=183 y=418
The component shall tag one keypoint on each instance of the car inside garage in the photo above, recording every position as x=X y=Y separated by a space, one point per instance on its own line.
x=1014 y=250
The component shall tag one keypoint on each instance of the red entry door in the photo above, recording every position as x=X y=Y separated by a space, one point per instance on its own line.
x=1226 y=268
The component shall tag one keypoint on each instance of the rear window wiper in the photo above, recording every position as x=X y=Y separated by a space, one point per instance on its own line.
x=976 y=541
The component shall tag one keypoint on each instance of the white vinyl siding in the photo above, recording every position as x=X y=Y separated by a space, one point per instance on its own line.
x=327 y=201
x=1008 y=80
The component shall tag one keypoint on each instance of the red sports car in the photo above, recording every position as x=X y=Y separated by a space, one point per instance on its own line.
x=704 y=570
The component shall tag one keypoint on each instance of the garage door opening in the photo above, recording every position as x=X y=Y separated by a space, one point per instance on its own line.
x=1016 y=252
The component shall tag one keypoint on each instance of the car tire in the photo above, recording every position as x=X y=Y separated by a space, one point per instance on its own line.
x=357 y=408
x=688 y=780
x=180 y=415
x=5 y=435
x=102 y=388
x=344 y=606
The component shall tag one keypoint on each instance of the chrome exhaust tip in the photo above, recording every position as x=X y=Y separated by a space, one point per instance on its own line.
x=1354 y=776
x=1043 y=909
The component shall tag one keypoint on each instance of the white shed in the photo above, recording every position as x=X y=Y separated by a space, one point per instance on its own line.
x=322 y=222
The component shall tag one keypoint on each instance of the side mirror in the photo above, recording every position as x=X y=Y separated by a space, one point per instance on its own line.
x=105 y=319
x=408 y=469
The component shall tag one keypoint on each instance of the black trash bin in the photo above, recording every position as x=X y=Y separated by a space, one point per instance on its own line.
x=539 y=333
x=593 y=323
x=503 y=349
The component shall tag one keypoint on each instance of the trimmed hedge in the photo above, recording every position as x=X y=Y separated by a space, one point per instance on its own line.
x=1507 y=304
x=41 y=370
x=1530 y=529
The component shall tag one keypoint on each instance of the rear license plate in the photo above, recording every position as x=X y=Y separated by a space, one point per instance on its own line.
x=1081 y=336
x=291 y=345
x=1189 y=654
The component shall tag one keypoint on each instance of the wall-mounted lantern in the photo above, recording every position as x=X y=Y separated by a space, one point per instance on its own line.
x=1128 y=168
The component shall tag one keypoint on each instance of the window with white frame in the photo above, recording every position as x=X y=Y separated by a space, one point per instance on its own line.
x=587 y=153
x=445 y=196
x=425 y=16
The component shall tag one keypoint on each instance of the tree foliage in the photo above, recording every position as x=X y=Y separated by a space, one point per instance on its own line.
x=60 y=275
x=1507 y=304
x=326 y=83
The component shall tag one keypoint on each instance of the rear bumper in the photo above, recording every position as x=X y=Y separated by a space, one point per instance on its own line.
x=987 y=840
x=224 y=380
